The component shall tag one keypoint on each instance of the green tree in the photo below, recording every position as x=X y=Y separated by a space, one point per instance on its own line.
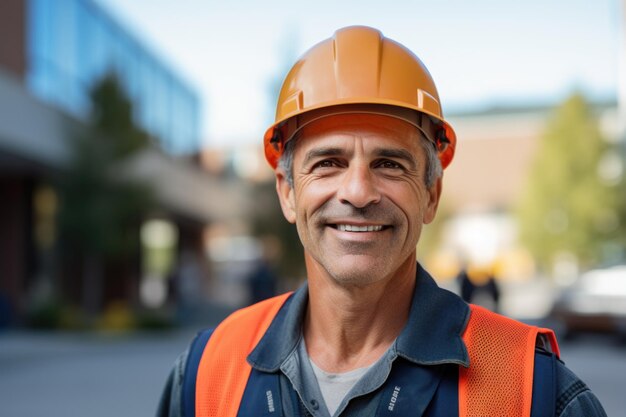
x=568 y=206
x=101 y=210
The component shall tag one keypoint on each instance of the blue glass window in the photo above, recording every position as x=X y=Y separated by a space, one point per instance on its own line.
x=74 y=43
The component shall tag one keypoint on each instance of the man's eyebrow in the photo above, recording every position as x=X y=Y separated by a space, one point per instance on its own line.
x=321 y=152
x=402 y=154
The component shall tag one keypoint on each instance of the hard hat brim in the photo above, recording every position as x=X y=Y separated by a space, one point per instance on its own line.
x=283 y=130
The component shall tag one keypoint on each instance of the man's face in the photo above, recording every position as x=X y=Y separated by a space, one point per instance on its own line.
x=359 y=199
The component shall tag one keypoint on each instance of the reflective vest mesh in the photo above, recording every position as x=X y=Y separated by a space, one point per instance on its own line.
x=500 y=376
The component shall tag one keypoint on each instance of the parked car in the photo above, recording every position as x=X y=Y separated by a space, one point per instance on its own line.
x=595 y=302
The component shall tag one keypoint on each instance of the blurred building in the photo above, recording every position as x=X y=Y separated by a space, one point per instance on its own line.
x=244 y=161
x=482 y=187
x=51 y=54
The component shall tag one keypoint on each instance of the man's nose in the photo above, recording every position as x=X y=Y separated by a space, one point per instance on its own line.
x=358 y=187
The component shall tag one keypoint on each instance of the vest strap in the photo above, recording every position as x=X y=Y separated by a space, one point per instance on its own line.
x=188 y=399
x=223 y=370
x=499 y=379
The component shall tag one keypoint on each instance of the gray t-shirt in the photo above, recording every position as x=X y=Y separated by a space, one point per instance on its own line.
x=334 y=386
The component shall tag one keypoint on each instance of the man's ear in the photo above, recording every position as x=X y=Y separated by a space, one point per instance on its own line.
x=434 y=193
x=285 y=195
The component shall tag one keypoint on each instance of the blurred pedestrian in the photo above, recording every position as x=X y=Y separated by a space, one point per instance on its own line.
x=186 y=286
x=6 y=311
x=262 y=281
x=479 y=287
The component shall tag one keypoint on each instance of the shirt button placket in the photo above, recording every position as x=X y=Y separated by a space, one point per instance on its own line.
x=315 y=404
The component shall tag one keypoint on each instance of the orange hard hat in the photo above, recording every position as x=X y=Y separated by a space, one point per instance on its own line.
x=359 y=70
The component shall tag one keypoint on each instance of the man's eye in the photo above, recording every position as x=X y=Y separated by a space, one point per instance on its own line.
x=327 y=163
x=389 y=165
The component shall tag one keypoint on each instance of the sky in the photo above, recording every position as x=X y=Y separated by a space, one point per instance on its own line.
x=480 y=53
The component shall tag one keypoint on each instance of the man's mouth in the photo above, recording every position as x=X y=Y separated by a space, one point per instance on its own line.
x=358 y=228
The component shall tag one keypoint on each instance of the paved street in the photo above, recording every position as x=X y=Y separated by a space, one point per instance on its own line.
x=71 y=375
x=95 y=375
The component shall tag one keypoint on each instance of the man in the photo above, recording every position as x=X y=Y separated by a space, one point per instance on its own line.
x=358 y=149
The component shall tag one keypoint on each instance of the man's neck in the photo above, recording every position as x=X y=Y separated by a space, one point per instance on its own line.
x=349 y=327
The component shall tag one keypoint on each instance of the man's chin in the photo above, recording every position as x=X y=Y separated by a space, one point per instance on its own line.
x=357 y=270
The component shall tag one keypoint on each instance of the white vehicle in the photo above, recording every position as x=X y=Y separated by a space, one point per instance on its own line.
x=595 y=302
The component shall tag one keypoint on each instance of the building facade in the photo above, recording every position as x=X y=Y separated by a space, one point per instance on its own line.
x=51 y=55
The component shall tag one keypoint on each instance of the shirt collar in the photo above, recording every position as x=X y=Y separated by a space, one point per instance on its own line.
x=431 y=336
x=436 y=323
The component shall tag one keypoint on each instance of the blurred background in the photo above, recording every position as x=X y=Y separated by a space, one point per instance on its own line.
x=136 y=205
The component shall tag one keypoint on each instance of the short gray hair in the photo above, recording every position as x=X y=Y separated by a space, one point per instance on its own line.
x=434 y=170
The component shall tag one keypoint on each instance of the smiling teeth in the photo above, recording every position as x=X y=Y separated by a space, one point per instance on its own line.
x=353 y=228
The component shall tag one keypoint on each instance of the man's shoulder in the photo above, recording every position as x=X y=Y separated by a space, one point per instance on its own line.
x=573 y=396
x=170 y=404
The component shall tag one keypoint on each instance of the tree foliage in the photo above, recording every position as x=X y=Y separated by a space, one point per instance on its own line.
x=568 y=206
x=100 y=210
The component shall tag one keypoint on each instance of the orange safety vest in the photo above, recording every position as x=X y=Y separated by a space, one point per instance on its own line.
x=498 y=381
